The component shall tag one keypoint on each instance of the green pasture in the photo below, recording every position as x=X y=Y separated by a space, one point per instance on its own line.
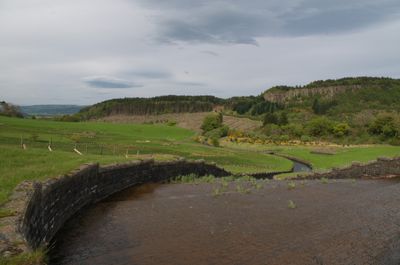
x=324 y=157
x=107 y=143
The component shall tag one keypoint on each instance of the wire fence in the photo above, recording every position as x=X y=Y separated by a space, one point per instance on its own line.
x=94 y=148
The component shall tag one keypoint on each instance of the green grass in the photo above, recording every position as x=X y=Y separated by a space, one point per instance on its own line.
x=6 y=213
x=91 y=131
x=107 y=143
x=343 y=156
x=34 y=164
x=37 y=257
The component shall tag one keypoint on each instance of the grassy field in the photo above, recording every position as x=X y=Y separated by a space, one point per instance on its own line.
x=322 y=158
x=342 y=156
x=107 y=143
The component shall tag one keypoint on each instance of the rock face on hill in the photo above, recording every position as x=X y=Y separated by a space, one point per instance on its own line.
x=285 y=95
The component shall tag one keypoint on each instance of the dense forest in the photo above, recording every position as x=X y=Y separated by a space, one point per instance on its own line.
x=251 y=105
x=147 y=106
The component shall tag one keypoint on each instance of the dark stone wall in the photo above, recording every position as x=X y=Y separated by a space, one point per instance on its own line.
x=48 y=205
x=53 y=202
x=381 y=168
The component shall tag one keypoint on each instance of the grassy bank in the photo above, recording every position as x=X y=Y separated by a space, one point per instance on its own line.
x=324 y=157
x=107 y=143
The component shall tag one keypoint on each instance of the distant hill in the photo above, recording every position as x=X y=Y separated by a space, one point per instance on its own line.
x=151 y=106
x=50 y=110
x=334 y=97
x=346 y=95
x=346 y=110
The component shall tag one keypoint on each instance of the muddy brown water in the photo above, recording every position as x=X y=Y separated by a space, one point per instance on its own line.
x=342 y=222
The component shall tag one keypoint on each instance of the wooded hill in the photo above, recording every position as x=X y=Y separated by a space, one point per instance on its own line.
x=346 y=95
x=149 y=106
x=357 y=110
x=331 y=97
x=254 y=105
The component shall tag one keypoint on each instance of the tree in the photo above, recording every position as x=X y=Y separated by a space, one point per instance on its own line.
x=211 y=122
x=320 y=126
x=316 y=107
x=10 y=110
x=270 y=118
x=385 y=126
x=283 y=119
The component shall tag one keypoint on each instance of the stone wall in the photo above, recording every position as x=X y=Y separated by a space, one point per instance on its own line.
x=53 y=202
x=42 y=208
x=381 y=168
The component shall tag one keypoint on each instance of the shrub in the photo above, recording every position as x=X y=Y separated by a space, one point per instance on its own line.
x=171 y=123
x=341 y=129
x=320 y=126
x=211 y=122
x=270 y=118
x=218 y=132
x=384 y=126
x=215 y=142
x=283 y=119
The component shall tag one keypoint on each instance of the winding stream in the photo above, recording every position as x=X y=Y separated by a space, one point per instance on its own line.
x=300 y=166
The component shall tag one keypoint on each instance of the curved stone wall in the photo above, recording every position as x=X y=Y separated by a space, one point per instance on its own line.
x=381 y=168
x=41 y=208
x=53 y=202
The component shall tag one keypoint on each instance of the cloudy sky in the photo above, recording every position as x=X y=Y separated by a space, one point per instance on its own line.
x=85 y=51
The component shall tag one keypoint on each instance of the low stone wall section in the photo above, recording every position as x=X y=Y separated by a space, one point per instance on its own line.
x=381 y=168
x=53 y=202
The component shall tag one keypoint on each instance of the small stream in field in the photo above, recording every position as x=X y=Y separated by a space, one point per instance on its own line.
x=300 y=167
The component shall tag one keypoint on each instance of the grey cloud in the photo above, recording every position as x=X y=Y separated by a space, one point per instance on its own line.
x=241 y=22
x=151 y=74
x=109 y=82
x=215 y=54
x=190 y=83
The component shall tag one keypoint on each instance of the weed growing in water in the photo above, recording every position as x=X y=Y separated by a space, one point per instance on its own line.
x=291 y=185
x=324 y=181
x=217 y=192
x=259 y=186
x=224 y=184
x=193 y=179
x=242 y=190
x=291 y=205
